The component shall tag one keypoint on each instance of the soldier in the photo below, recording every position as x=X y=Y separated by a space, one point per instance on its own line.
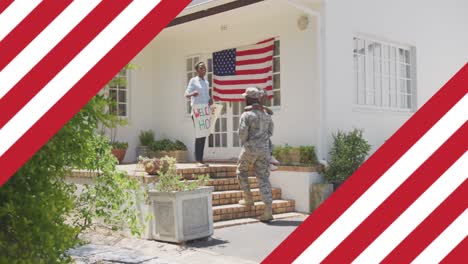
x=255 y=130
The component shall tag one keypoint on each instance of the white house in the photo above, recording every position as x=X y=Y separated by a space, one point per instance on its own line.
x=339 y=64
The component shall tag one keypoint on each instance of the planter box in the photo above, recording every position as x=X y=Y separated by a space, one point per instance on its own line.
x=182 y=216
x=119 y=154
x=292 y=157
x=319 y=192
x=179 y=155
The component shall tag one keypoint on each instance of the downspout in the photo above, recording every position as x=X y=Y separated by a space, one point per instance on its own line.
x=320 y=54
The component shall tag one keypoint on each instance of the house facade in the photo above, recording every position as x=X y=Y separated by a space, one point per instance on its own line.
x=338 y=64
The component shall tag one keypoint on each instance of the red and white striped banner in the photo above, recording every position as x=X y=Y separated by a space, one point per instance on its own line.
x=408 y=202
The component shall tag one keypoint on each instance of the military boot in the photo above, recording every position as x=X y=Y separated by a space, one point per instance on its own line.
x=248 y=199
x=267 y=214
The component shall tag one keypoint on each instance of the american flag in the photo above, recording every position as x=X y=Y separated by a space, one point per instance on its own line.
x=237 y=69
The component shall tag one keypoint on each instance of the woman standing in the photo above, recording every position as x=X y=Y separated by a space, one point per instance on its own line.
x=198 y=90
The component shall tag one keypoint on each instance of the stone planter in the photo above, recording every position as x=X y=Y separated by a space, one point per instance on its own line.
x=292 y=157
x=182 y=216
x=119 y=154
x=142 y=151
x=179 y=155
x=319 y=192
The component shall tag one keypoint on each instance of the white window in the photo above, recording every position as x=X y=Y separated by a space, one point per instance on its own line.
x=276 y=100
x=384 y=74
x=118 y=91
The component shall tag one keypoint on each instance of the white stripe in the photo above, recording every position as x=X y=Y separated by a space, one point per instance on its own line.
x=14 y=14
x=257 y=46
x=44 y=42
x=228 y=96
x=243 y=86
x=74 y=71
x=255 y=66
x=386 y=184
x=445 y=242
x=416 y=213
x=255 y=56
x=243 y=77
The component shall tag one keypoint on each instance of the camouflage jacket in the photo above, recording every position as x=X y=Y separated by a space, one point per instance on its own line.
x=255 y=130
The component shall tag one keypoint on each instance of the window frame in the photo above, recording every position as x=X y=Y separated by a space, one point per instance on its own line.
x=127 y=77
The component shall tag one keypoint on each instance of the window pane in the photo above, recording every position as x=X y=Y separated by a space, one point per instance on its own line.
x=210 y=79
x=122 y=109
x=235 y=108
x=217 y=140
x=113 y=94
x=242 y=106
x=235 y=140
x=189 y=64
x=276 y=81
x=223 y=111
x=277 y=98
x=276 y=64
x=276 y=51
x=210 y=65
x=189 y=76
x=122 y=96
x=401 y=55
x=361 y=47
x=195 y=61
x=210 y=141
x=217 y=126
x=224 y=139
x=223 y=124
x=235 y=123
x=407 y=56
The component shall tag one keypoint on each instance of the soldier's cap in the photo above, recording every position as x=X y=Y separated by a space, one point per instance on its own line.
x=252 y=92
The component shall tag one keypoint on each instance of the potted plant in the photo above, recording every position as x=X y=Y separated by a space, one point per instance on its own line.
x=166 y=147
x=146 y=138
x=302 y=155
x=182 y=209
x=119 y=149
x=348 y=152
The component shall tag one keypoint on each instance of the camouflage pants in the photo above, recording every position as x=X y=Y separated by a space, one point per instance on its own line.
x=261 y=163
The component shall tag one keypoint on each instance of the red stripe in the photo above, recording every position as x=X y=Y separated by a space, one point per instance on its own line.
x=431 y=170
x=372 y=169
x=254 y=51
x=29 y=28
x=59 y=57
x=220 y=99
x=237 y=82
x=267 y=40
x=431 y=227
x=255 y=61
x=257 y=71
x=4 y=4
x=458 y=253
x=88 y=86
x=237 y=91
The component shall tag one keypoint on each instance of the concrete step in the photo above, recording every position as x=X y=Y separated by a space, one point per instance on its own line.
x=230 y=184
x=233 y=197
x=236 y=211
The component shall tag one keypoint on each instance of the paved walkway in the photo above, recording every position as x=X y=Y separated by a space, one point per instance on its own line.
x=242 y=244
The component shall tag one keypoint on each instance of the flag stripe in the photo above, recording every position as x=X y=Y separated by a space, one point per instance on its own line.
x=73 y=72
x=236 y=82
x=372 y=169
x=446 y=242
x=432 y=227
x=258 y=66
x=257 y=71
x=401 y=199
x=29 y=28
x=387 y=183
x=88 y=86
x=59 y=57
x=255 y=56
x=258 y=46
x=267 y=40
x=416 y=213
x=236 y=91
x=254 y=61
x=458 y=253
x=242 y=87
x=242 y=77
x=254 y=51
x=14 y=13
x=43 y=43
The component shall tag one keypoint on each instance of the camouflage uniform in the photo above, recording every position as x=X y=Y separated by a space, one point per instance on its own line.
x=255 y=130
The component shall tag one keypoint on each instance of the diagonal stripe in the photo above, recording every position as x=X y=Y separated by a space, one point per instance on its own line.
x=73 y=72
x=14 y=14
x=416 y=213
x=401 y=199
x=4 y=4
x=372 y=169
x=44 y=42
x=458 y=253
x=88 y=86
x=386 y=184
x=446 y=242
x=59 y=57
x=432 y=227
x=29 y=28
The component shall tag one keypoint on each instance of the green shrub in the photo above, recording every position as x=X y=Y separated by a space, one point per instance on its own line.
x=308 y=156
x=167 y=145
x=348 y=152
x=146 y=137
x=119 y=145
x=179 y=145
x=170 y=181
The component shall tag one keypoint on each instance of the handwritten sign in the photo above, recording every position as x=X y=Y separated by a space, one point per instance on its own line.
x=205 y=118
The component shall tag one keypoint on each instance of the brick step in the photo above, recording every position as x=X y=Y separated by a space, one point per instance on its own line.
x=214 y=171
x=233 y=197
x=230 y=184
x=236 y=211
